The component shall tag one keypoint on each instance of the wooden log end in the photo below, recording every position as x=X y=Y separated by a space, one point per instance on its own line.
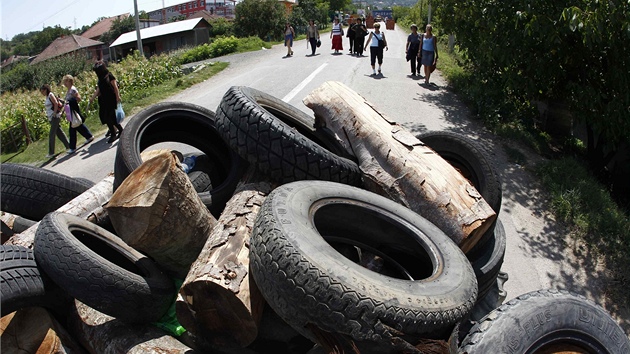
x=212 y=312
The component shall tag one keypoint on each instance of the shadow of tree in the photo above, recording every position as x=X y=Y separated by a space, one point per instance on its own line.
x=570 y=265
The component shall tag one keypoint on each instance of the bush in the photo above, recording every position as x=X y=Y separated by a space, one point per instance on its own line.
x=221 y=27
x=224 y=45
x=31 y=77
x=198 y=53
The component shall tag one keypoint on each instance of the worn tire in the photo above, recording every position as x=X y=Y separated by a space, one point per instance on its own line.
x=22 y=284
x=306 y=281
x=184 y=123
x=487 y=264
x=100 y=270
x=280 y=139
x=538 y=320
x=33 y=192
x=474 y=163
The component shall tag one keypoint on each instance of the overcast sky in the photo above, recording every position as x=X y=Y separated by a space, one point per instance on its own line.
x=23 y=16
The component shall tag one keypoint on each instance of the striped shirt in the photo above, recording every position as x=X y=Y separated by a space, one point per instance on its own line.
x=336 y=29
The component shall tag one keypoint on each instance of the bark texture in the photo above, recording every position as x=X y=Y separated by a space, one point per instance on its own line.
x=85 y=206
x=397 y=165
x=156 y=210
x=219 y=301
x=103 y=334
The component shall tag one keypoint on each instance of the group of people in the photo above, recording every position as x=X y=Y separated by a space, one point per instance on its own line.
x=421 y=49
x=108 y=99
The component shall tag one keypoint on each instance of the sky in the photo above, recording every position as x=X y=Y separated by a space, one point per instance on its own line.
x=23 y=16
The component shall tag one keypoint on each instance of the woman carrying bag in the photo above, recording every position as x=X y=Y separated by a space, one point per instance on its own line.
x=108 y=100
x=73 y=98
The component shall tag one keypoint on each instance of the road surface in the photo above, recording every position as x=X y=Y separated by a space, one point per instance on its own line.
x=539 y=254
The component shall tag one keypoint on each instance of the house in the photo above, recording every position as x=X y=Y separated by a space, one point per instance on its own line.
x=288 y=5
x=163 y=38
x=12 y=60
x=221 y=8
x=71 y=45
x=95 y=32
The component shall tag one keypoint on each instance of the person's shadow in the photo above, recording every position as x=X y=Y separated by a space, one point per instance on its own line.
x=430 y=86
x=377 y=76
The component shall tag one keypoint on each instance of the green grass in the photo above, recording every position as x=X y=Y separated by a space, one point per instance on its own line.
x=578 y=199
x=36 y=151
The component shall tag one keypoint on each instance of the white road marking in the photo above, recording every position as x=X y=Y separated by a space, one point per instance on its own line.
x=303 y=84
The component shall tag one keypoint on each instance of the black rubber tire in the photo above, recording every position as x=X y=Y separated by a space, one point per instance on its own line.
x=184 y=123
x=306 y=281
x=474 y=162
x=22 y=284
x=33 y=192
x=546 y=317
x=100 y=270
x=281 y=140
x=487 y=265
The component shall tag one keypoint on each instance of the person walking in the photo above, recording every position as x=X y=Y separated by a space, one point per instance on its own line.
x=429 y=52
x=360 y=31
x=350 y=34
x=53 y=112
x=108 y=97
x=413 y=50
x=73 y=98
x=313 y=35
x=335 y=35
x=289 y=34
x=377 y=42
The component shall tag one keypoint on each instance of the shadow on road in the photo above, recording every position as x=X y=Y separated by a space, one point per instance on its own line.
x=83 y=152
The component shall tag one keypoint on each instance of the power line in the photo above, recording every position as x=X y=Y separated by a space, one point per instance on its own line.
x=53 y=15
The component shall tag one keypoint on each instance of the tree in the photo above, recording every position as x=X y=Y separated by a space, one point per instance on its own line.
x=573 y=52
x=262 y=18
x=313 y=10
x=338 y=5
x=119 y=26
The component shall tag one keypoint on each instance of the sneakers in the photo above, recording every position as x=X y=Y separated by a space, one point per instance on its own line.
x=113 y=138
x=50 y=156
x=108 y=134
x=71 y=151
x=89 y=140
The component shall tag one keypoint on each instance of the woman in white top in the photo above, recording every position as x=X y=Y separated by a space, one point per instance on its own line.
x=53 y=112
x=336 y=34
x=376 y=51
x=73 y=98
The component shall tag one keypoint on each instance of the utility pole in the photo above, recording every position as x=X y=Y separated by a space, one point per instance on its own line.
x=429 y=19
x=135 y=6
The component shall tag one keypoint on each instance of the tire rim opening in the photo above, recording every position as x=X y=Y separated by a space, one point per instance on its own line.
x=374 y=238
x=103 y=249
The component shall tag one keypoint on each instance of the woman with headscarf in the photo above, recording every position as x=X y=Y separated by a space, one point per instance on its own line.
x=108 y=98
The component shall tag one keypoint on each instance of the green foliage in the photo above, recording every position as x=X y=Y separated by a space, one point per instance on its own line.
x=570 y=51
x=30 y=77
x=262 y=18
x=135 y=73
x=221 y=27
x=336 y=5
x=198 y=53
x=313 y=10
x=223 y=45
x=585 y=205
x=119 y=26
x=250 y=44
x=418 y=14
x=35 y=42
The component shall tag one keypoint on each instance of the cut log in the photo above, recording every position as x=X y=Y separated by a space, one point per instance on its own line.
x=156 y=210
x=103 y=334
x=397 y=165
x=219 y=301
x=83 y=206
x=34 y=330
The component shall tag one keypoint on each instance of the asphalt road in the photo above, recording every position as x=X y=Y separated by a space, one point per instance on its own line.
x=539 y=254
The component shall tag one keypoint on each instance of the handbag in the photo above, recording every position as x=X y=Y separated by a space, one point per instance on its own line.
x=319 y=43
x=75 y=119
x=120 y=114
x=381 y=42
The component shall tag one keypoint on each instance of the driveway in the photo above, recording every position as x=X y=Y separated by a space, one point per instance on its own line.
x=539 y=252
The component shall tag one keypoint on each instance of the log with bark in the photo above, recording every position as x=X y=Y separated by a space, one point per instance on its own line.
x=88 y=205
x=397 y=165
x=156 y=210
x=103 y=334
x=219 y=300
x=34 y=330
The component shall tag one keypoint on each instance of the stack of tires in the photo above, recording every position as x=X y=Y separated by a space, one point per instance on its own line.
x=336 y=262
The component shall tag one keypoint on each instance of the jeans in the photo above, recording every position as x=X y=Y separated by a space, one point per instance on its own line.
x=414 y=59
x=83 y=130
x=56 y=131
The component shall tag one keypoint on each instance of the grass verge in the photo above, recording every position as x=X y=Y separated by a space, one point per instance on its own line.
x=578 y=199
x=36 y=151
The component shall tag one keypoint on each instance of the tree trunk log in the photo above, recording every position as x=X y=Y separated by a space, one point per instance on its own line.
x=219 y=301
x=33 y=330
x=103 y=334
x=396 y=164
x=85 y=206
x=157 y=211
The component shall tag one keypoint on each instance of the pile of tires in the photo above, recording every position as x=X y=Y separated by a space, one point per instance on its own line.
x=335 y=262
